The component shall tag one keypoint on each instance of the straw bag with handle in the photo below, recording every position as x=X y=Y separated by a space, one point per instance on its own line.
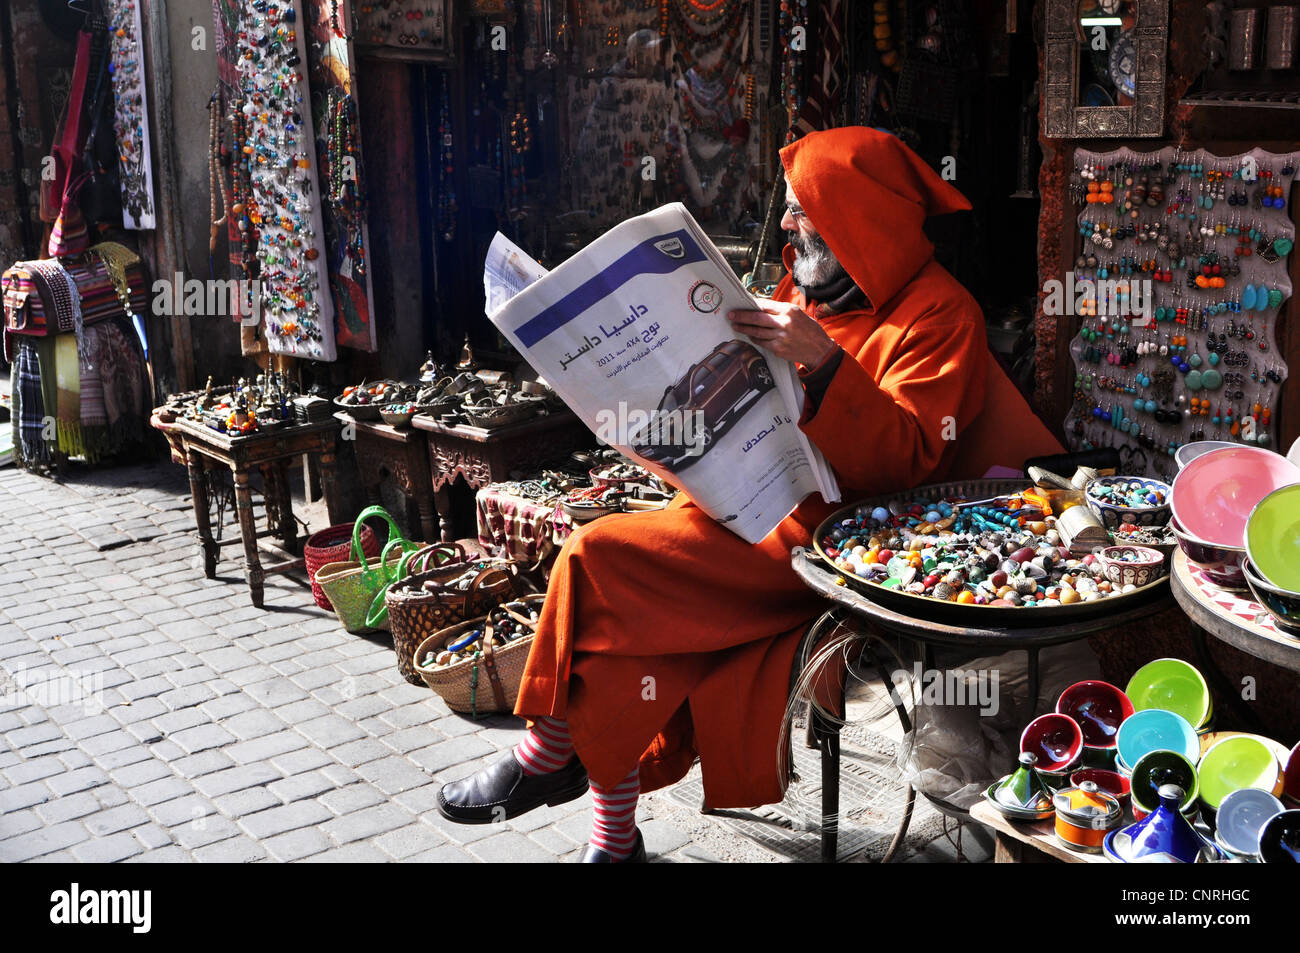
x=482 y=676
x=428 y=601
x=351 y=586
x=437 y=554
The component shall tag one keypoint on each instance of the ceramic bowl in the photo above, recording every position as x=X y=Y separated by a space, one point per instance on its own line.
x=1173 y=685
x=1160 y=767
x=1109 y=782
x=1237 y=762
x=1131 y=565
x=1272 y=539
x=1099 y=708
x=1156 y=730
x=1279 y=841
x=1056 y=740
x=1282 y=605
x=1190 y=451
x=1214 y=494
x=1241 y=817
x=1113 y=515
x=1221 y=563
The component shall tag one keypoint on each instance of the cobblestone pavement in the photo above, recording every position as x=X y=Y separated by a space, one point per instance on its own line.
x=150 y=714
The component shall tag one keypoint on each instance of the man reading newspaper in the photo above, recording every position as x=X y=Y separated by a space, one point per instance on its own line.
x=666 y=636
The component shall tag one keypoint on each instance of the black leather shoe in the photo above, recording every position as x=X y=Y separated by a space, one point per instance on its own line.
x=594 y=855
x=503 y=791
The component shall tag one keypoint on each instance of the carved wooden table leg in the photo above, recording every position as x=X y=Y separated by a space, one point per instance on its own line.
x=199 y=494
x=248 y=529
x=442 y=502
x=329 y=482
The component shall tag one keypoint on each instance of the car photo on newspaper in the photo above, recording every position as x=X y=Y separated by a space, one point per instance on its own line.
x=702 y=405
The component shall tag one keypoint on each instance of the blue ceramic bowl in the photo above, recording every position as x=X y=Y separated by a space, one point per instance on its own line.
x=1113 y=515
x=1282 y=605
x=1156 y=729
x=1241 y=817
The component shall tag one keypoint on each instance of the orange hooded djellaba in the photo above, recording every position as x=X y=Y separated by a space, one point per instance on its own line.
x=665 y=636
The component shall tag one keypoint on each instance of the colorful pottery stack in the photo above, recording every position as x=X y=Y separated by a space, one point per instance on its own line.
x=1272 y=566
x=1213 y=500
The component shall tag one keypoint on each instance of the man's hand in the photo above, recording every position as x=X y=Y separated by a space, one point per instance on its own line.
x=787 y=331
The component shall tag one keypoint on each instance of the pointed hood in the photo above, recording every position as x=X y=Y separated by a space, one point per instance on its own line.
x=868 y=195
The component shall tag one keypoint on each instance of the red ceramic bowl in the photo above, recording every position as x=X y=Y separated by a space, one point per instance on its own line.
x=1109 y=782
x=1055 y=739
x=1221 y=563
x=1099 y=708
x=1291 y=776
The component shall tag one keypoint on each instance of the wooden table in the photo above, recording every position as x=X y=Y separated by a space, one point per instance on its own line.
x=1028 y=843
x=1233 y=617
x=397 y=452
x=480 y=456
x=271 y=451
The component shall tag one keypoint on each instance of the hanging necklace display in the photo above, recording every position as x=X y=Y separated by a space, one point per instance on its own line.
x=446 y=169
x=297 y=310
x=1166 y=226
x=216 y=180
x=131 y=113
x=791 y=64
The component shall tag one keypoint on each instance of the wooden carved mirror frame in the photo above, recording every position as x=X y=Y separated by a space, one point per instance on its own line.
x=1063 y=118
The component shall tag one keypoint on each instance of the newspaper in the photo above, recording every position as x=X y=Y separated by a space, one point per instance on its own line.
x=632 y=334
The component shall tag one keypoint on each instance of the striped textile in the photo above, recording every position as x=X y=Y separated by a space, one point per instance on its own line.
x=546 y=748
x=30 y=404
x=613 y=821
x=27 y=298
x=825 y=87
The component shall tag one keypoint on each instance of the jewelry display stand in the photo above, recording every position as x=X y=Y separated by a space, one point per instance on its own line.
x=131 y=114
x=1204 y=232
x=297 y=309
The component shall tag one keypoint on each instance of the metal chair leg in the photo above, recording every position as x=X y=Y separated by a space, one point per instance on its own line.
x=827 y=733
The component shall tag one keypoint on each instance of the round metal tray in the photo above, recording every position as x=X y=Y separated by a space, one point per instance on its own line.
x=925 y=607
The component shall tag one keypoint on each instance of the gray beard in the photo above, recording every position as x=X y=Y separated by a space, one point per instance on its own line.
x=814 y=264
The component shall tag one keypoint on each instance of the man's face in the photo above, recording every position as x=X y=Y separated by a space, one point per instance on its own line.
x=814 y=263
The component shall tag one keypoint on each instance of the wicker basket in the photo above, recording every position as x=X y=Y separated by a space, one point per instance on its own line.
x=426 y=602
x=330 y=546
x=488 y=683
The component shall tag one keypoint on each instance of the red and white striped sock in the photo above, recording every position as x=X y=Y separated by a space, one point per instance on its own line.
x=613 y=827
x=546 y=748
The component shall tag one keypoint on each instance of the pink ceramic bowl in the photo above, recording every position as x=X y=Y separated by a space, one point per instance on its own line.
x=1221 y=563
x=1213 y=495
x=1098 y=707
x=1056 y=740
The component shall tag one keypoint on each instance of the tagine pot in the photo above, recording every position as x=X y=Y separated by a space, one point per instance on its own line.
x=1164 y=836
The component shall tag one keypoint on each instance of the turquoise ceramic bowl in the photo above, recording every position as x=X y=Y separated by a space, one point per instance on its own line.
x=1154 y=730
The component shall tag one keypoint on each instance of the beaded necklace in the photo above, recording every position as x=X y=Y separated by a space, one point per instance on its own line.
x=446 y=171
x=343 y=171
x=791 y=63
x=216 y=185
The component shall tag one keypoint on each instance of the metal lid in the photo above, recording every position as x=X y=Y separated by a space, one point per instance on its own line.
x=1028 y=759
x=1088 y=807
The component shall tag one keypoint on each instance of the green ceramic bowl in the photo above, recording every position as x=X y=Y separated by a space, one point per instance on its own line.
x=1273 y=538
x=1173 y=685
x=1236 y=762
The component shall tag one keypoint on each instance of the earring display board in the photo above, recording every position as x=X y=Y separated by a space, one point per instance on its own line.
x=338 y=147
x=402 y=29
x=677 y=83
x=277 y=146
x=1181 y=282
x=131 y=113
